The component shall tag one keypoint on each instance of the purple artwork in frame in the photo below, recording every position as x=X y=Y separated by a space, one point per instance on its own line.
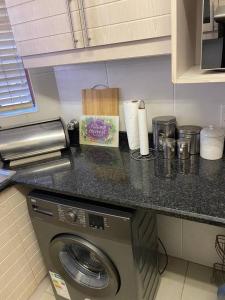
x=99 y=130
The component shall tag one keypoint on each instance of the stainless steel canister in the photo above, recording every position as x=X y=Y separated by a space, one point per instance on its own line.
x=193 y=133
x=73 y=131
x=165 y=168
x=183 y=148
x=169 y=148
x=163 y=127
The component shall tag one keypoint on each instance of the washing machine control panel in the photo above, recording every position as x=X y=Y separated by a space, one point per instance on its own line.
x=71 y=215
x=96 y=221
x=82 y=217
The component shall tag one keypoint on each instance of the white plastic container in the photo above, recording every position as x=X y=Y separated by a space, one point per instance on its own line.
x=211 y=143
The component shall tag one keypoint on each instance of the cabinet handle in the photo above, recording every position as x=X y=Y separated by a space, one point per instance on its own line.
x=84 y=25
x=71 y=22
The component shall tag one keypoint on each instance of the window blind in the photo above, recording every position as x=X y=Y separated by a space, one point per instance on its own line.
x=14 y=83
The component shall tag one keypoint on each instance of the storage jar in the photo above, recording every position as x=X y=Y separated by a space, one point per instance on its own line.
x=211 y=143
x=191 y=132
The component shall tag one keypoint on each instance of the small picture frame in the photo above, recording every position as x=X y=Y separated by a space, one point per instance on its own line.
x=99 y=131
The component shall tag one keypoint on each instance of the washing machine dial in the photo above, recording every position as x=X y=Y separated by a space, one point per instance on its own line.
x=71 y=216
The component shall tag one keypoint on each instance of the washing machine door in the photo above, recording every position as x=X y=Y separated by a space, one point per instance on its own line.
x=84 y=266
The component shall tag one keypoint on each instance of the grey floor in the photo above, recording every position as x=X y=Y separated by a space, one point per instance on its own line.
x=181 y=281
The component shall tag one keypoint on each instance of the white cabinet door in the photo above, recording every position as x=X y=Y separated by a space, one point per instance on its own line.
x=10 y=3
x=109 y=22
x=41 y=26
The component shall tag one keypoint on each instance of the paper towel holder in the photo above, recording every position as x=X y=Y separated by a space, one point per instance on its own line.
x=136 y=155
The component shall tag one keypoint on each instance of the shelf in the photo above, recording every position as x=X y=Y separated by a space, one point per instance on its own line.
x=195 y=75
x=186 y=44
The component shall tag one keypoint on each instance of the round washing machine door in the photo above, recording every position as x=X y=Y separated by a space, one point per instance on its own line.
x=84 y=266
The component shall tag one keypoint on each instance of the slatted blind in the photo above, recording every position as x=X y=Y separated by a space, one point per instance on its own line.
x=14 y=85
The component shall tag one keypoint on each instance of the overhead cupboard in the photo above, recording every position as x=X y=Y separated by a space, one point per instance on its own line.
x=55 y=31
x=41 y=26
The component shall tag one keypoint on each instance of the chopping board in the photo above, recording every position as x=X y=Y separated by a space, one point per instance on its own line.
x=101 y=102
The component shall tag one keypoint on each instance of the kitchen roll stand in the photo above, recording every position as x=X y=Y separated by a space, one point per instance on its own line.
x=137 y=155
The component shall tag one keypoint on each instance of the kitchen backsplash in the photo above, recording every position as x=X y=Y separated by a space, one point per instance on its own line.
x=148 y=79
x=58 y=91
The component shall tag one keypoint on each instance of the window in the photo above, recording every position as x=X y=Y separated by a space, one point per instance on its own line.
x=15 y=88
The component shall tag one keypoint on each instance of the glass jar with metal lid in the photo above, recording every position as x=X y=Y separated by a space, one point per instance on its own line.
x=163 y=127
x=191 y=132
x=212 y=143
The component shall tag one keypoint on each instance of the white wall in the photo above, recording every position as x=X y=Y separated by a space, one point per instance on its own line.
x=150 y=79
x=189 y=240
x=46 y=97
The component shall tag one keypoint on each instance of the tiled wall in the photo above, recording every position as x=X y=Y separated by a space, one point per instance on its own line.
x=21 y=264
x=148 y=79
x=59 y=93
x=189 y=240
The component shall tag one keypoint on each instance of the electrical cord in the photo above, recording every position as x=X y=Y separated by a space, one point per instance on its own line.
x=166 y=264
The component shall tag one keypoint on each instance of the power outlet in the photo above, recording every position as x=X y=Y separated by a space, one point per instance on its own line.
x=222 y=116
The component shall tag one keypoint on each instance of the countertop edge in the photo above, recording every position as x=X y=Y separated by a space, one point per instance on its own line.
x=200 y=218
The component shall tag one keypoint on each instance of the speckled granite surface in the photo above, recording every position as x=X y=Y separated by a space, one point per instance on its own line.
x=194 y=188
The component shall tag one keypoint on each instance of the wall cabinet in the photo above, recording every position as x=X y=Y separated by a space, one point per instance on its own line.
x=43 y=27
x=124 y=20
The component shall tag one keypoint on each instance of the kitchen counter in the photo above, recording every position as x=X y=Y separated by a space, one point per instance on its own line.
x=193 y=189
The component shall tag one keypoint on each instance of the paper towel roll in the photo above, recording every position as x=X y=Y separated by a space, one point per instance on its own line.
x=131 y=122
x=143 y=129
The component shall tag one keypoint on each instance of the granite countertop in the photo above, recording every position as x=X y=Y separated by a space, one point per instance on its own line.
x=192 y=189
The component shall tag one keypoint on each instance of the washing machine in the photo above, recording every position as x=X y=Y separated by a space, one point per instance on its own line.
x=94 y=251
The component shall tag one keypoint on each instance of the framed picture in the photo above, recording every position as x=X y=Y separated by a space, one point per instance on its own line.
x=99 y=130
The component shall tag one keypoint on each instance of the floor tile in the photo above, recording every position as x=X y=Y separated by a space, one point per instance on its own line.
x=173 y=284
x=172 y=281
x=47 y=296
x=198 y=284
x=49 y=289
x=42 y=289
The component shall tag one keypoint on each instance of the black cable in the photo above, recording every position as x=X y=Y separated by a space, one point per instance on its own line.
x=167 y=260
x=222 y=32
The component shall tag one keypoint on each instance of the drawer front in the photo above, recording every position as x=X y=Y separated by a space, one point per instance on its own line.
x=132 y=31
x=36 y=10
x=41 y=26
x=61 y=42
x=10 y=3
x=118 y=12
x=125 y=20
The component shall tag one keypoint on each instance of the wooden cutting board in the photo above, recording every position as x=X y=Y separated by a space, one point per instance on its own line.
x=101 y=102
